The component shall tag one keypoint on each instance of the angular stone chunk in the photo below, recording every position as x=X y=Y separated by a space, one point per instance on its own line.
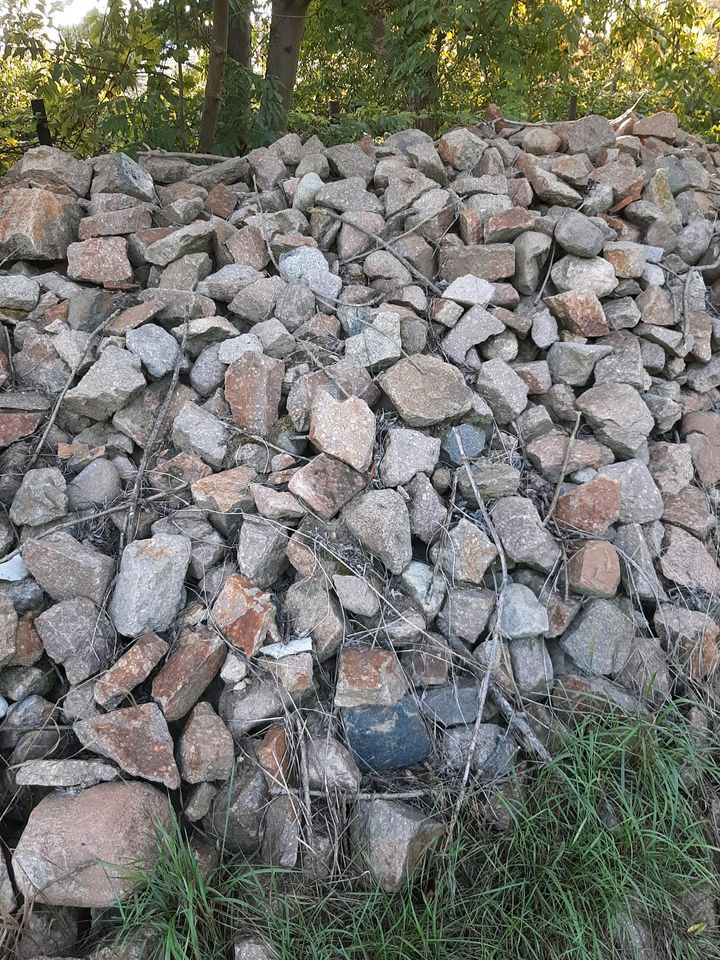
x=253 y=387
x=78 y=635
x=392 y=837
x=205 y=749
x=36 y=224
x=686 y=562
x=137 y=739
x=591 y=507
x=379 y=520
x=64 y=773
x=636 y=562
x=426 y=391
x=343 y=429
x=640 y=499
x=66 y=568
x=547 y=454
x=130 y=670
x=113 y=380
x=523 y=538
x=600 y=638
x=387 y=738
x=8 y=631
x=619 y=417
x=149 y=591
x=408 y=453
x=326 y=485
x=99 y=260
x=261 y=553
x=312 y=610
x=594 y=570
x=41 y=497
x=689 y=636
x=70 y=839
x=193 y=663
x=369 y=677
x=225 y=497
x=505 y=392
x=466 y=555
x=577 y=273
x=466 y=612
x=243 y=614
x=195 y=430
x=237 y=815
x=522 y=615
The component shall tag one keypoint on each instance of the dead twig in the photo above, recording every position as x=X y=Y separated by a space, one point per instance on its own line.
x=563 y=470
x=147 y=452
x=686 y=292
x=420 y=277
x=108 y=511
x=184 y=155
x=68 y=383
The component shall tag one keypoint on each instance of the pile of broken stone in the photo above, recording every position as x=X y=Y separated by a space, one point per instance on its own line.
x=305 y=451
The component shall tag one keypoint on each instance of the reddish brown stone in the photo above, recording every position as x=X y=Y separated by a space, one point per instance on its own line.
x=594 y=570
x=663 y=125
x=547 y=454
x=15 y=426
x=225 y=496
x=471 y=226
x=690 y=509
x=592 y=506
x=580 y=312
x=133 y=317
x=137 y=739
x=100 y=260
x=369 y=677
x=58 y=311
x=221 y=200
x=702 y=433
x=294 y=673
x=248 y=247
x=205 y=750
x=686 y=561
x=36 y=224
x=253 y=386
x=133 y=667
x=691 y=637
x=243 y=614
x=507 y=225
x=196 y=658
x=273 y=756
x=326 y=485
x=115 y=222
x=28 y=645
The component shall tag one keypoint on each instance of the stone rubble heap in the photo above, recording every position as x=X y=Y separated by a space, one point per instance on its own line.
x=271 y=429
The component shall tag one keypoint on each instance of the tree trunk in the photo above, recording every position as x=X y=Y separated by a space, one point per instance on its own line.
x=240 y=37
x=287 y=26
x=216 y=71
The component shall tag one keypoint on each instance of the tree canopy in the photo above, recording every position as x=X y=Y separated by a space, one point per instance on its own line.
x=226 y=75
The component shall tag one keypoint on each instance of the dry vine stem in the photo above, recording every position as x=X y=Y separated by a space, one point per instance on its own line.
x=495 y=642
x=420 y=277
x=68 y=384
x=563 y=470
x=154 y=430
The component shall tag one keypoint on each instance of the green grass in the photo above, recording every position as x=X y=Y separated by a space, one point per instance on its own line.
x=612 y=828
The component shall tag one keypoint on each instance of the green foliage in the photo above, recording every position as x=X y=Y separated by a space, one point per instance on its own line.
x=135 y=74
x=611 y=829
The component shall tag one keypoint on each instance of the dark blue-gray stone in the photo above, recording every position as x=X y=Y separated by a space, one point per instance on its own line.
x=473 y=441
x=451 y=705
x=387 y=738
